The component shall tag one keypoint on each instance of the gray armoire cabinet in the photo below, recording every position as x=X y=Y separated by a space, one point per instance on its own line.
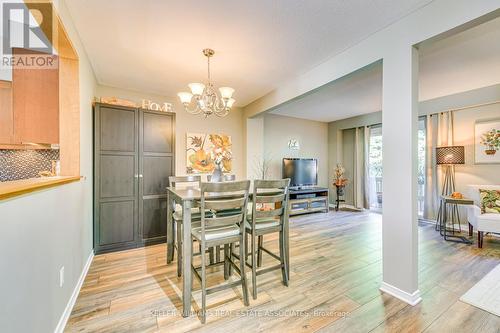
x=134 y=154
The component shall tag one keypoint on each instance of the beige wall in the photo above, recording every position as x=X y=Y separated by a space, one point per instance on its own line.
x=471 y=173
x=312 y=137
x=185 y=122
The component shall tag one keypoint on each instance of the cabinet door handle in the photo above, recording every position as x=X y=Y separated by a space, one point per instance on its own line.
x=136 y=176
x=140 y=176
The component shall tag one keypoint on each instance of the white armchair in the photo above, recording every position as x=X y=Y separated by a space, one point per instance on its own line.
x=487 y=222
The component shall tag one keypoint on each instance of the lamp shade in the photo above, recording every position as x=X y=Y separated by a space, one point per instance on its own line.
x=229 y=103
x=226 y=92
x=185 y=97
x=450 y=155
x=196 y=88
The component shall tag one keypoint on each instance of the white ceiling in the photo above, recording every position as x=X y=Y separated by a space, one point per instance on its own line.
x=155 y=46
x=347 y=97
x=462 y=62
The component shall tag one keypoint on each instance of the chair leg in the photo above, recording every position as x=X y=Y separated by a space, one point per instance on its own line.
x=192 y=257
x=254 y=267
x=211 y=255
x=217 y=253
x=226 y=261
x=179 y=249
x=471 y=229
x=243 y=276
x=246 y=246
x=259 y=251
x=480 y=239
x=203 y=285
x=284 y=268
x=170 y=240
x=231 y=251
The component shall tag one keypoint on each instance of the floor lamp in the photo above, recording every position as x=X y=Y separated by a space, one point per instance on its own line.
x=448 y=157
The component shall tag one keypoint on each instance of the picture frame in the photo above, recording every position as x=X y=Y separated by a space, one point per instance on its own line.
x=200 y=151
x=483 y=132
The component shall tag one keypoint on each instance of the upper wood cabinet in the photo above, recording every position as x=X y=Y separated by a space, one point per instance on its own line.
x=6 y=113
x=35 y=101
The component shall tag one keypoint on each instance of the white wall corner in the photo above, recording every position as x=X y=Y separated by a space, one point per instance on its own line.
x=412 y=299
x=71 y=302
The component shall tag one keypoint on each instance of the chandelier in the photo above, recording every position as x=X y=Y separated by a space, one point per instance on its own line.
x=205 y=98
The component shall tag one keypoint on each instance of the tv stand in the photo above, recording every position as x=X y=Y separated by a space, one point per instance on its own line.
x=308 y=200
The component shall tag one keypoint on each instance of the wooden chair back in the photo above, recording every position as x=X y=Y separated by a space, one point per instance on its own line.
x=272 y=192
x=173 y=181
x=223 y=196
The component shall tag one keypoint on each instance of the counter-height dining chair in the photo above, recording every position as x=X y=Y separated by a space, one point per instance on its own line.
x=175 y=181
x=224 y=231
x=226 y=177
x=269 y=215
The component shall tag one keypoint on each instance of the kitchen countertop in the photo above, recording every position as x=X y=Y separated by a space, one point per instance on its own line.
x=14 y=188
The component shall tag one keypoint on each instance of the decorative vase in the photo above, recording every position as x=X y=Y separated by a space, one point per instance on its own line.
x=340 y=190
x=490 y=151
x=216 y=174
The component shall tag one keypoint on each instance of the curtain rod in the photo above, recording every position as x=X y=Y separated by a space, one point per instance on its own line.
x=464 y=108
x=432 y=114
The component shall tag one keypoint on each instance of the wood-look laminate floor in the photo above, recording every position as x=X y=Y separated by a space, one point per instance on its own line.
x=336 y=271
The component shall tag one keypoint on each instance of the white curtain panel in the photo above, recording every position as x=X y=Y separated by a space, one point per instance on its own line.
x=439 y=133
x=369 y=185
x=361 y=180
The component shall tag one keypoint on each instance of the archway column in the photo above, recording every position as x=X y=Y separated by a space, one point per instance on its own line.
x=399 y=217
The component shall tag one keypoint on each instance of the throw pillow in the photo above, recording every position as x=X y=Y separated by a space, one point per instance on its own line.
x=490 y=201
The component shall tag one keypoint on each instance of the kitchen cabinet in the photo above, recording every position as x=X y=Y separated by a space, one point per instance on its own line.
x=29 y=106
x=6 y=113
x=134 y=154
x=35 y=100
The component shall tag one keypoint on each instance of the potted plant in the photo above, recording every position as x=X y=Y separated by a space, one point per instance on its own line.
x=340 y=181
x=491 y=140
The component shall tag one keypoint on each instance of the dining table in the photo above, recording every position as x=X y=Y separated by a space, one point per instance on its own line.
x=189 y=197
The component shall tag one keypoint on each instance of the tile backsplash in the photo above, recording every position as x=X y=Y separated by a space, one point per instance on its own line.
x=23 y=164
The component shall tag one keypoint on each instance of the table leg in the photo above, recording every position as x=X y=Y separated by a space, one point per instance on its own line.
x=452 y=237
x=187 y=248
x=170 y=230
x=286 y=242
x=444 y=216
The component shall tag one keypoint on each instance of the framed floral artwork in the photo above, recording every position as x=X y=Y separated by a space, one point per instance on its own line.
x=487 y=141
x=203 y=151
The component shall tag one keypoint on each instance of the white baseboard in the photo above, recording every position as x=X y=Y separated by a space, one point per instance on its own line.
x=412 y=299
x=69 y=307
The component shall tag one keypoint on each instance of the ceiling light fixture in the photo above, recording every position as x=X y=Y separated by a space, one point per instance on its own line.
x=205 y=97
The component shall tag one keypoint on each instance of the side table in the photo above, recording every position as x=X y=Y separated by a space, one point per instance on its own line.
x=449 y=235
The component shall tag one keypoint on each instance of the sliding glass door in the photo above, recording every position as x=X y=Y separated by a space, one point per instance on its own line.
x=374 y=180
x=374 y=172
x=422 y=137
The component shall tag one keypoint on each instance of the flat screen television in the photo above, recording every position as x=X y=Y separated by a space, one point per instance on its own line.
x=301 y=171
